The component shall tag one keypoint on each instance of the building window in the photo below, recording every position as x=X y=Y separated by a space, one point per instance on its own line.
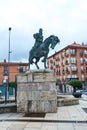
x=5 y=79
x=73 y=60
x=57 y=65
x=62 y=63
x=54 y=63
x=72 y=51
x=82 y=77
x=56 y=58
x=51 y=61
x=62 y=55
x=74 y=68
x=63 y=71
x=22 y=69
x=86 y=60
x=68 y=69
x=68 y=77
x=5 y=69
x=51 y=67
x=82 y=69
x=67 y=61
x=81 y=60
x=67 y=52
x=85 y=52
x=86 y=69
x=74 y=76
x=81 y=53
x=59 y=57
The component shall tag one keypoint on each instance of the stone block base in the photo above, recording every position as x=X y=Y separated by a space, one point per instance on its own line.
x=36 y=92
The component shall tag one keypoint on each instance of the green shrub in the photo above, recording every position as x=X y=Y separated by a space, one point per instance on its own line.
x=77 y=84
x=13 y=84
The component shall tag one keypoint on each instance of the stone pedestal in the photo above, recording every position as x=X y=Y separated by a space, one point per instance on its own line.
x=36 y=92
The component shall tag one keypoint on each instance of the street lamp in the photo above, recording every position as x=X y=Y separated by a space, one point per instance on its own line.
x=7 y=95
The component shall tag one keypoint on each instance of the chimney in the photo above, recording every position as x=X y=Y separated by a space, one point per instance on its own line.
x=74 y=42
x=82 y=43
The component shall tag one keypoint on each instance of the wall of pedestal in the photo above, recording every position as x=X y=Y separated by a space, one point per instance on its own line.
x=36 y=92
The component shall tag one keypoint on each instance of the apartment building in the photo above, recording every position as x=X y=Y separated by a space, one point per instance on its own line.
x=15 y=68
x=70 y=62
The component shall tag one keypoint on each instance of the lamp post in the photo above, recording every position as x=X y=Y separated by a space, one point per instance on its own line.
x=9 y=51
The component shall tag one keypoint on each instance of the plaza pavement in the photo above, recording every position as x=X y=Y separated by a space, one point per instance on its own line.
x=67 y=118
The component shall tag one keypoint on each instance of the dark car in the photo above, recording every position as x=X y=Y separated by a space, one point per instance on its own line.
x=77 y=94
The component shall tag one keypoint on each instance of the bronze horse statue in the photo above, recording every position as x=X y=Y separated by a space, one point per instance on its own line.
x=42 y=51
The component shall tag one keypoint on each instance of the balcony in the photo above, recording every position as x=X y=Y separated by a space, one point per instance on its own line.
x=73 y=60
x=74 y=69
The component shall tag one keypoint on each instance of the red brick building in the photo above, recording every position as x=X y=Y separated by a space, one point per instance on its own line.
x=70 y=62
x=15 y=68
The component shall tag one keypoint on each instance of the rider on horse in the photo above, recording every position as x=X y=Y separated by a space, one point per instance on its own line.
x=41 y=48
x=38 y=38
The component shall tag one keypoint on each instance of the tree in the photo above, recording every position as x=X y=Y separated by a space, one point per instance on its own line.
x=13 y=84
x=76 y=84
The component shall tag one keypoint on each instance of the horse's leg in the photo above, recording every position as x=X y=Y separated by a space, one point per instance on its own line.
x=30 y=62
x=45 y=64
x=36 y=63
x=44 y=59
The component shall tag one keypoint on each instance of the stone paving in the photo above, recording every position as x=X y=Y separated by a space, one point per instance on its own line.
x=52 y=121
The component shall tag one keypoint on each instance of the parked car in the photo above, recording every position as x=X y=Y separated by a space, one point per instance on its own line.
x=78 y=93
x=0 y=93
x=84 y=92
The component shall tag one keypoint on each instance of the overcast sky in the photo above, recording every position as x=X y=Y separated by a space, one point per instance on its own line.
x=66 y=19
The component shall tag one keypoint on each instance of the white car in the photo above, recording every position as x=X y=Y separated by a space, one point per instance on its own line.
x=82 y=91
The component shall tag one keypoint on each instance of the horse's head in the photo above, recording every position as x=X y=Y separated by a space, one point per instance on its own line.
x=54 y=41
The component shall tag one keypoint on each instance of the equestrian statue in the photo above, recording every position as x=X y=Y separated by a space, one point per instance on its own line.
x=41 y=48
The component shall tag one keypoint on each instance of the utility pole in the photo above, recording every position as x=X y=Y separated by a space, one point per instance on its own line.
x=9 y=51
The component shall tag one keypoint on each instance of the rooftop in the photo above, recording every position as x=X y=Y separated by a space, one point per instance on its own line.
x=73 y=45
